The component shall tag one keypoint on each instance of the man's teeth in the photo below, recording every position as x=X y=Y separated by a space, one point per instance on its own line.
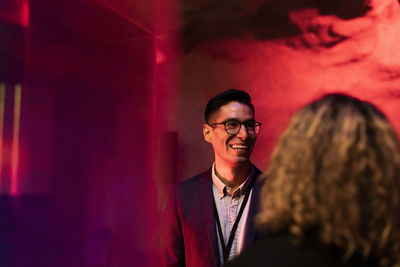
x=238 y=147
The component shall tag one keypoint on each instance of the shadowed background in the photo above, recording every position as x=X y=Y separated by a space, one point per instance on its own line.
x=112 y=96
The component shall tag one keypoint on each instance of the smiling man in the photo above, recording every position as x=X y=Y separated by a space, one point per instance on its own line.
x=209 y=218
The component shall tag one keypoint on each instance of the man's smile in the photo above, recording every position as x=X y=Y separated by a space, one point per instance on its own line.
x=239 y=147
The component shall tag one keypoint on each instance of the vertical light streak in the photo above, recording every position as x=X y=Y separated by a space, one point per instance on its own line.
x=25 y=13
x=15 y=142
x=25 y=16
x=2 y=105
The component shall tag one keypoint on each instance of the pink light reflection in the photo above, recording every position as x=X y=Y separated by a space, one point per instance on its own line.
x=25 y=13
x=2 y=105
x=160 y=57
x=15 y=142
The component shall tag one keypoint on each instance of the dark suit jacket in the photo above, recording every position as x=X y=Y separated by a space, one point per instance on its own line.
x=189 y=236
x=280 y=250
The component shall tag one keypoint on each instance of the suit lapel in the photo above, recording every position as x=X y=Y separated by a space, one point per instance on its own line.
x=205 y=197
x=254 y=208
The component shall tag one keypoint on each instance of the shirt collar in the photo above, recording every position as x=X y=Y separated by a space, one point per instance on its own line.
x=224 y=190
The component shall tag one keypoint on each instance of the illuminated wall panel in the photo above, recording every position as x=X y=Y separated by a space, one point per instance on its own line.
x=9 y=134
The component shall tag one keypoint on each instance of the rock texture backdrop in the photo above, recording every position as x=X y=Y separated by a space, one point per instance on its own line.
x=285 y=53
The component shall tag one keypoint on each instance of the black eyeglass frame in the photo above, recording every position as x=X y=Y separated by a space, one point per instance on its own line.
x=257 y=125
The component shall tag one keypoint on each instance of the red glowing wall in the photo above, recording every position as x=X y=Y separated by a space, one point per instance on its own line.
x=285 y=54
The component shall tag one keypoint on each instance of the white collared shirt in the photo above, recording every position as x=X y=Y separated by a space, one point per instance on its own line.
x=228 y=204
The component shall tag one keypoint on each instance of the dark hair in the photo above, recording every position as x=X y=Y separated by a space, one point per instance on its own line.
x=224 y=98
x=335 y=173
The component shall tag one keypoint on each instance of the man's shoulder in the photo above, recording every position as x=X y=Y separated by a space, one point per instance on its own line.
x=258 y=175
x=200 y=178
x=257 y=171
x=186 y=189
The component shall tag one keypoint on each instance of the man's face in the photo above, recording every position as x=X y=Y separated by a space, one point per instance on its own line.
x=235 y=149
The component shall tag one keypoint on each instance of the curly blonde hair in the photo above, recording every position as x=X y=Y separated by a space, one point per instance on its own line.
x=335 y=174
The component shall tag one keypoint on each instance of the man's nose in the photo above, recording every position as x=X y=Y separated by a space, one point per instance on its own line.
x=242 y=132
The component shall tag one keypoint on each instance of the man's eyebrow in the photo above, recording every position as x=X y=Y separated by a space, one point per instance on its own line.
x=235 y=119
x=231 y=119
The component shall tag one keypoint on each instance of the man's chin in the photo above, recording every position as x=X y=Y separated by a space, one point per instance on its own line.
x=242 y=160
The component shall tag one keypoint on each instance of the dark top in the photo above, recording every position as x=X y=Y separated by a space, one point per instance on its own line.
x=280 y=250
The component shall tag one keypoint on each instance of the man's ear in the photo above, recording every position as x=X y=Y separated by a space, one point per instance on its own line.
x=207 y=133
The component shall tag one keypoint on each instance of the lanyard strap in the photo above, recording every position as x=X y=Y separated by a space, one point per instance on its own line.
x=226 y=250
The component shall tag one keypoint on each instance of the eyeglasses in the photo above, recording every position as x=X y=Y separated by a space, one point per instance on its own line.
x=232 y=127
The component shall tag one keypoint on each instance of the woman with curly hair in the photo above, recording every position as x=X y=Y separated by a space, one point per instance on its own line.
x=331 y=195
